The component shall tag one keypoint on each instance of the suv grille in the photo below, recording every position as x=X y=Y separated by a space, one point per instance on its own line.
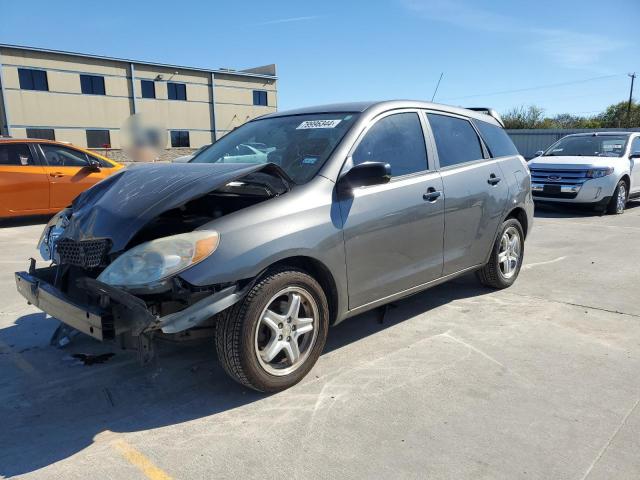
x=86 y=254
x=552 y=176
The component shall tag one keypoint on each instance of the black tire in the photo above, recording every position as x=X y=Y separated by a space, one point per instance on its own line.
x=491 y=274
x=235 y=331
x=612 y=207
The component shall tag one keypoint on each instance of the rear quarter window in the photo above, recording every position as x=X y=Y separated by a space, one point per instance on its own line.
x=496 y=140
x=16 y=154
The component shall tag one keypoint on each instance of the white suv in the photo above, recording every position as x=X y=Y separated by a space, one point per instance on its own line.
x=600 y=169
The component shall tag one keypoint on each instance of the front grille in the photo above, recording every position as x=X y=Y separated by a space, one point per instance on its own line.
x=552 y=176
x=86 y=254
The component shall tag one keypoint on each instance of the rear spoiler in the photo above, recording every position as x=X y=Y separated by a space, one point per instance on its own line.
x=488 y=111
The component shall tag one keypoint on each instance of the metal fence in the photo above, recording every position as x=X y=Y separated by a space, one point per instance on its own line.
x=529 y=141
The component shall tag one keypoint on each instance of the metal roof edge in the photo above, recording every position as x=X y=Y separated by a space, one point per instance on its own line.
x=240 y=73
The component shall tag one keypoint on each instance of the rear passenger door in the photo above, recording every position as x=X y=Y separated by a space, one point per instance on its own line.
x=393 y=232
x=475 y=192
x=24 y=188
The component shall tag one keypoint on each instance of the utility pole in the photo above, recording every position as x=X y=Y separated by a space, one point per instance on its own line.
x=633 y=77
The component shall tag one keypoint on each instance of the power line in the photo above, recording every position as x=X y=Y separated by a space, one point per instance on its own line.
x=539 y=87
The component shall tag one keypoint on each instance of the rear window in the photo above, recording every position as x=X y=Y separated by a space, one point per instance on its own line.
x=15 y=154
x=496 y=139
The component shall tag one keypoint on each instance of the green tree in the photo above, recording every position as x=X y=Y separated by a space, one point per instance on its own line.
x=524 y=117
x=615 y=116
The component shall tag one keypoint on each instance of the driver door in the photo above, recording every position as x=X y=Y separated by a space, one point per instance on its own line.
x=69 y=173
x=393 y=232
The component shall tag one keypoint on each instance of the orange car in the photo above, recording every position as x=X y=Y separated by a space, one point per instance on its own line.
x=42 y=176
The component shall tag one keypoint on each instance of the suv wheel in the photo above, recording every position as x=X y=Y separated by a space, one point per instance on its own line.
x=272 y=338
x=619 y=199
x=506 y=257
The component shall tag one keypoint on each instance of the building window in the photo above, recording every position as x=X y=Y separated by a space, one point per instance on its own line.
x=98 y=139
x=260 y=97
x=92 y=84
x=41 y=133
x=180 y=138
x=148 y=88
x=176 y=91
x=33 y=79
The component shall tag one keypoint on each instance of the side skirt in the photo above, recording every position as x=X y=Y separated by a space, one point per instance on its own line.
x=405 y=293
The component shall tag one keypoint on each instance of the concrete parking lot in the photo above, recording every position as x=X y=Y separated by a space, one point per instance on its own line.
x=538 y=381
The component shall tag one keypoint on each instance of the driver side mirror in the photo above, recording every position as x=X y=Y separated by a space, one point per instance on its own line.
x=635 y=154
x=365 y=174
x=94 y=165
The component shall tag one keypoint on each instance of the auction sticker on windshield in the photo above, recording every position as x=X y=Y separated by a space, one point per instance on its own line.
x=318 y=124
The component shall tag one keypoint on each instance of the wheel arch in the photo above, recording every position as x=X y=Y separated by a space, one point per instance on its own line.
x=321 y=273
x=520 y=214
x=627 y=180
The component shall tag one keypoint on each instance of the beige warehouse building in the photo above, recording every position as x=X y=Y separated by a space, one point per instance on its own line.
x=85 y=99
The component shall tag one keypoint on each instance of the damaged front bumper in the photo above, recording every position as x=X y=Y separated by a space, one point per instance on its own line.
x=116 y=311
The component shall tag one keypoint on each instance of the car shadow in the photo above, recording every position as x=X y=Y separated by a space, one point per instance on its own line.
x=24 y=221
x=549 y=210
x=53 y=406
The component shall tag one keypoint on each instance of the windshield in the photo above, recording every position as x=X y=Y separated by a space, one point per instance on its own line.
x=299 y=144
x=589 y=146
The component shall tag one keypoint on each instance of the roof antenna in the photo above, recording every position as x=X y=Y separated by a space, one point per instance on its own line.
x=436 y=90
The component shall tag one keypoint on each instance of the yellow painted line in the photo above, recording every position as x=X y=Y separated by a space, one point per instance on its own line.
x=139 y=460
x=20 y=361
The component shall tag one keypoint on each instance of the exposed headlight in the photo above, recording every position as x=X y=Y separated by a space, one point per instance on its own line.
x=50 y=234
x=158 y=259
x=599 y=172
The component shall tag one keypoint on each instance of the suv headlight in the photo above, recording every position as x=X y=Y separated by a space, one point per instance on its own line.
x=158 y=259
x=599 y=172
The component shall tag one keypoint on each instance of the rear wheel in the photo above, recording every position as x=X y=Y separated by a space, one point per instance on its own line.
x=619 y=199
x=506 y=257
x=272 y=338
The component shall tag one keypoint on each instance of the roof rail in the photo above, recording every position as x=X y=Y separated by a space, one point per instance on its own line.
x=488 y=111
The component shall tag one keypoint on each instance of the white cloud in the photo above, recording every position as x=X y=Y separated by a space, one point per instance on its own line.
x=288 y=20
x=565 y=47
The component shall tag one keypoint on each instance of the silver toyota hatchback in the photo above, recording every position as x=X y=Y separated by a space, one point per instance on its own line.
x=287 y=225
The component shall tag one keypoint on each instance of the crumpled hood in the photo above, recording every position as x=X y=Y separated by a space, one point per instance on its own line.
x=119 y=206
x=570 y=162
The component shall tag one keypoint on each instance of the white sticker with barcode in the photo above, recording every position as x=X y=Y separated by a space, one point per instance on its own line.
x=318 y=124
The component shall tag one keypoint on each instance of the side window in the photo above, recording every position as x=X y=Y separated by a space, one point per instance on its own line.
x=635 y=146
x=259 y=97
x=41 y=133
x=396 y=140
x=33 y=79
x=176 y=91
x=496 y=140
x=98 y=138
x=15 y=154
x=148 y=88
x=456 y=140
x=58 y=156
x=92 y=84
x=180 y=138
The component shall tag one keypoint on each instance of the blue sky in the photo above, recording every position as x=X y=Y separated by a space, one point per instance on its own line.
x=341 y=51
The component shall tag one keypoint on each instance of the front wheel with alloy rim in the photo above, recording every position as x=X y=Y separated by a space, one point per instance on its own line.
x=506 y=257
x=272 y=338
x=618 y=199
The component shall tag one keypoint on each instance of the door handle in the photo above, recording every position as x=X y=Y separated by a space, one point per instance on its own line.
x=493 y=180
x=432 y=194
x=56 y=174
